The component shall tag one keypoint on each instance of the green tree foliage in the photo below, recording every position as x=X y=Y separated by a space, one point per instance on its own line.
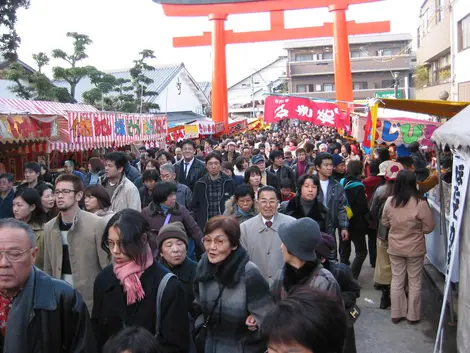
x=9 y=39
x=103 y=85
x=35 y=85
x=73 y=74
x=140 y=84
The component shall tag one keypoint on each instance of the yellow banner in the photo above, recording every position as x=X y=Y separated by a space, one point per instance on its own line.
x=191 y=131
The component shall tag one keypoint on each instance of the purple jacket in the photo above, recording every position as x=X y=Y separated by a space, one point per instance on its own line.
x=154 y=214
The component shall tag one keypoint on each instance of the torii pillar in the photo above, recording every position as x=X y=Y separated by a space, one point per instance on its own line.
x=219 y=37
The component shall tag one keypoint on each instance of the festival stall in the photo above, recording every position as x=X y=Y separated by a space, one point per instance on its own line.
x=455 y=133
x=51 y=132
x=28 y=128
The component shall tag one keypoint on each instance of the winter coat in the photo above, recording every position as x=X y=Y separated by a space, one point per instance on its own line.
x=231 y=210
x=245 y=293
x=186 y=273
x=58 y=319
x=200 y=203
x=296 y=174
x=196 y=172
x=87 y=258
x=336 y=203
x=420 y=166
x=38 y=229
x=111 y=314
x=350 y=287
x=184 y=195
x=235 y=155
x=132 y=173
x=283 y=173
x=371 y=184
x=320 y=278
x=145 y=197
x=263 y=244
x=356 y=196
x=126 y=195
x=154 y=214
x=6 y=205
x=318 y=212
x=408 y=225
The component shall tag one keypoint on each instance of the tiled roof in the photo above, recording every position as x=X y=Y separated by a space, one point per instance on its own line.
x=179 y=118
x=206 y=87
x=162 y=75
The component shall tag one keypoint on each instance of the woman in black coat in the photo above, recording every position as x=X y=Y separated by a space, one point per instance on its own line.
x=306 y=204
x=172 y=243
x=125 y=292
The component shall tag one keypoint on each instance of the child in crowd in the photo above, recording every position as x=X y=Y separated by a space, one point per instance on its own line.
x=287 y=189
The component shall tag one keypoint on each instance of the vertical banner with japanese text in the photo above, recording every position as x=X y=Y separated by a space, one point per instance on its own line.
x=460 y=179
x=277 y=108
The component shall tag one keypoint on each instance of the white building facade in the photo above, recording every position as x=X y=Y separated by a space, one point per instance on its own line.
x=246 y=97
x=460 y=14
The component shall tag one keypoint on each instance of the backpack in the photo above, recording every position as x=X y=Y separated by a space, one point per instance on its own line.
x=349 y=185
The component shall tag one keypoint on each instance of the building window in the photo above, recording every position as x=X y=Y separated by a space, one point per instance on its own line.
x=464 y=33
x=388 y=52
x=359 y=85
x=359 y=54
x=327 y=56
x=439 y=10
x=328 y=87
x=304 y=88
x=318 y=87
x=303 y=57
x=388 y=83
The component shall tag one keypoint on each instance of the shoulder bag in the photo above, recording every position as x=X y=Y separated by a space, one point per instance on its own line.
x=200 y=333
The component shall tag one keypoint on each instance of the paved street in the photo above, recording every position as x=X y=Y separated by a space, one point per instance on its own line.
x=375 y=332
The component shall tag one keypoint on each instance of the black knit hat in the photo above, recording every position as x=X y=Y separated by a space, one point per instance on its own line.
x=301 y=237
x=171 y=231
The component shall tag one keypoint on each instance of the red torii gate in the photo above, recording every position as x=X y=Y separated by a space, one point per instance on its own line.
x=217 y=12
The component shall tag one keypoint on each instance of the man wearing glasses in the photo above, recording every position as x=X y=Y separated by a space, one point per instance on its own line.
x=33 y=306
x=189 y=169
x=259 y=235
x=72 y=240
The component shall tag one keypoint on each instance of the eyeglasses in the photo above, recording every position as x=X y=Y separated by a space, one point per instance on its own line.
x=217 y=241
x=13 y=255
x=63 y=192
x=265 y=203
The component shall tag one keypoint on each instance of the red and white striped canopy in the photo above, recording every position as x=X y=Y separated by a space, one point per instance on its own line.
x=19 y=106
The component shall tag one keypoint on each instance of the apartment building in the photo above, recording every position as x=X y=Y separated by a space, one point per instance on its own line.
x=433 y=74
x=376 y=60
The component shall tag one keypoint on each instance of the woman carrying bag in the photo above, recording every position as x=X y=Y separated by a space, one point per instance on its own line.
x=231 y=293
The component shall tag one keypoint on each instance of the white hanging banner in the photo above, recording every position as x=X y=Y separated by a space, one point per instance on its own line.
x=460 y=179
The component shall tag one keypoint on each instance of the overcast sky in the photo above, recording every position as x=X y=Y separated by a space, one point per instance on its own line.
x=121 y=28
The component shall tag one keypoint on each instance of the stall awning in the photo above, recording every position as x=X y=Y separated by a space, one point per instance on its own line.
x=20 y=106
x=455 y=132
x=439 y=108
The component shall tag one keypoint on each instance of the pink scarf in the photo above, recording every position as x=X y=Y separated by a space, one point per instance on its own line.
x=129 y=275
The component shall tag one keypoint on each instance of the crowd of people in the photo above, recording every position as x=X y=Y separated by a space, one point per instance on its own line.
x=240 y=244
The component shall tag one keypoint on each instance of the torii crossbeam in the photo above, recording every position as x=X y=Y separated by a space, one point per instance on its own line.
x=218 y=10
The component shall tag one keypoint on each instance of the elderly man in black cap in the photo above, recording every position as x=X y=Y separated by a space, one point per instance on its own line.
x=302 y=267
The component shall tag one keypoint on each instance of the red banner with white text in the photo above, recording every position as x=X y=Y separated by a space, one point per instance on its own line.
x=277 y=108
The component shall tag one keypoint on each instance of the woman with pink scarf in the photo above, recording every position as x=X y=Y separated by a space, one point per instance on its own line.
x=125 y=292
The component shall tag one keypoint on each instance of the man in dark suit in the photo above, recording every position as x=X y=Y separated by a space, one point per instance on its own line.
x=189 y=169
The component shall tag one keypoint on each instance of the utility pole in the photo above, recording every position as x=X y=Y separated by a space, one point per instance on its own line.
x=395 y=86
x=252 y=97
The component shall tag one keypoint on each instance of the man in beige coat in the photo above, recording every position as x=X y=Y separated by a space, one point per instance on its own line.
x=122 y=192
x=259 y=235
x=72 y=240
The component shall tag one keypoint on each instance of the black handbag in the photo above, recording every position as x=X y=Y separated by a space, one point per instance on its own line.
x=200 y=333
